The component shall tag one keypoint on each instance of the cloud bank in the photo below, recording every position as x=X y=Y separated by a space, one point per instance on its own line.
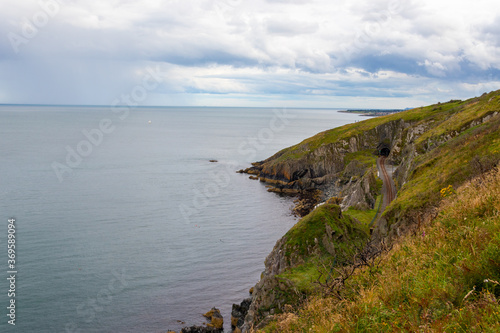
x=318 y=53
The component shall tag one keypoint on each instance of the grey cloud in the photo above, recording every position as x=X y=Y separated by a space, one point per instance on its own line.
x=491 y=32
x=286 y=47
x=299 y=2
x=290 y=27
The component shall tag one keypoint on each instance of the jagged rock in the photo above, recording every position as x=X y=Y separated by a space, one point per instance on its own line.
x=201 y=329
x=306 y=202
x=360 y=194
x=320 y=163
x=328 y=239
x=328 y=169
x=353 y=169
x=239 y=312
x=216 y=320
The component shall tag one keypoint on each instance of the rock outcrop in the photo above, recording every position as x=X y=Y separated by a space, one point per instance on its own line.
x=317 y=161
x=214 y=326
x=215 y=317
x=322 y=232
x=339 y=164
x=238 y=314
x=201 y=329
x=329 y=167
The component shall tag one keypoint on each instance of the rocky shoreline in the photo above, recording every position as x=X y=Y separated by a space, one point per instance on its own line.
x=216 y=321
x=337 y=168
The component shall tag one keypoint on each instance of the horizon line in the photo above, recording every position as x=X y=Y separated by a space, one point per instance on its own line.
x=196 y=106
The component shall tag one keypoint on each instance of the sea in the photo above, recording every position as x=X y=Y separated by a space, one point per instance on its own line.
x=135 y=219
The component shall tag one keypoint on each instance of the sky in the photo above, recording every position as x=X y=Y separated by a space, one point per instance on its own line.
x=258 y=53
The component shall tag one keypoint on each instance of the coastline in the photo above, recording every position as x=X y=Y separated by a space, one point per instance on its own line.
x=373 y=112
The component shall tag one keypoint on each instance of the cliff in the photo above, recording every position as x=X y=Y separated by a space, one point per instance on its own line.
x=433 y=148
x=330 y=161
x=324 y=233
x=442 y=278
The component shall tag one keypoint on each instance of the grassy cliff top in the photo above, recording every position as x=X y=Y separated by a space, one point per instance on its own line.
x=446 y=117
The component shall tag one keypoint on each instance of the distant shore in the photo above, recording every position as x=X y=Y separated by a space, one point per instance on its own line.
x=373 y=112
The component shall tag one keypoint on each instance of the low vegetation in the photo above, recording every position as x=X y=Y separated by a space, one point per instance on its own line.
x=443 y=278
x=300 y=239
x=363 y=215
x=472 y=152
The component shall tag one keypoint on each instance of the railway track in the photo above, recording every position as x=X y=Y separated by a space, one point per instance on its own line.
x=389 y=191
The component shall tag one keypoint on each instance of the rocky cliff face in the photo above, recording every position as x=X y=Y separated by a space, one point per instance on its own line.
x=334 y=162
x=315 y=167
x=332 y=167
x=324 y=232
x=406 y=152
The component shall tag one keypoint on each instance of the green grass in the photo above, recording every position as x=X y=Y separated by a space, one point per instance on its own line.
x=303 y=277
x=452 y=163
x=438 y=278
x=442 y=278
x=364 y=216
x=441 y=119
x=301 y=237
x=304 y=245
x=366 y=157
x=437 y=113
x=463 y=114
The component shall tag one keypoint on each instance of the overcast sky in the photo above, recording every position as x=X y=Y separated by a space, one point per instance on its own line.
x=294 y=53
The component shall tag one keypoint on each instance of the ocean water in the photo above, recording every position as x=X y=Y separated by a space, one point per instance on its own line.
x=122 y=222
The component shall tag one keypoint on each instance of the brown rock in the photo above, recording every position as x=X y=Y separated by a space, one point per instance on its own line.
x=216 y=320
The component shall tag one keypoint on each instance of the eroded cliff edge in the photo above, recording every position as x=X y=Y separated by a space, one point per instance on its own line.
x=421 y=143
x=334 y=160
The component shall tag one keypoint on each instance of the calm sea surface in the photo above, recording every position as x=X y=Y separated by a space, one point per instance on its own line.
x=122 y=222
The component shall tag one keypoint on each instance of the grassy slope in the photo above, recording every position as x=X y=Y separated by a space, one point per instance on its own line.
x=312 y=226
x=435 y=112
x=301 y=245
x=364 y=216
x=447 y=117
x=424 y=280
x=451 y=163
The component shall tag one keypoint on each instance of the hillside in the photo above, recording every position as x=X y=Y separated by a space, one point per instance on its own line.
x=432 y=261
x=443 y=278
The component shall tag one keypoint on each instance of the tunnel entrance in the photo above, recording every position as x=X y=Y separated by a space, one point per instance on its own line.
x=385 y=152
x=383 y=149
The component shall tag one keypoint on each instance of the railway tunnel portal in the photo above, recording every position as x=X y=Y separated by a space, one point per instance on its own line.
x=383 y=149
